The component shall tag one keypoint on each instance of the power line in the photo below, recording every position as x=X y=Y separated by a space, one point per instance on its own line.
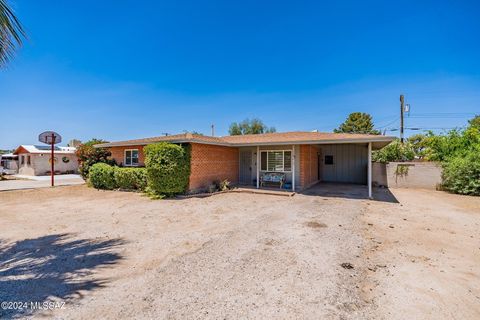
x=386 y=125
x=458 y=115
x=434 y=128
x=433 y=113
x=426 y=128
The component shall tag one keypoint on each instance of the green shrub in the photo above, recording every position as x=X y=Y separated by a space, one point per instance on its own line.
x=395 y=151
x=131 y=178
x=101 y=176
x=168 y=168
x=461 y=174
x=88 y=155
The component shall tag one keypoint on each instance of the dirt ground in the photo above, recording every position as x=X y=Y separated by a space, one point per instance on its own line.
x=423 y=258
x=113 y=255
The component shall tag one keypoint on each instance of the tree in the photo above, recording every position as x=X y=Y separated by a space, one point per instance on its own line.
x=247 y=126
x=88 y=155
x=419 y=144
x=194 y=132
x=395 y=151
x=357 y=122
x=475 y=122
x=11 y=33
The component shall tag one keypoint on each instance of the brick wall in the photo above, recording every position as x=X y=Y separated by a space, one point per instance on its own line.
x=211 y=163
x=118 y=154
x=308 y=165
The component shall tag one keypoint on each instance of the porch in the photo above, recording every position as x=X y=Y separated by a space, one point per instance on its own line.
x=257 y=161
x=304 y=165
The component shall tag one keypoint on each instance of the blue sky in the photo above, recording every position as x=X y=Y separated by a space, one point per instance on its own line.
x=129 y=69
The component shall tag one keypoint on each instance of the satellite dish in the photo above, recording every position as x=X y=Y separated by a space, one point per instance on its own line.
x=50 y=137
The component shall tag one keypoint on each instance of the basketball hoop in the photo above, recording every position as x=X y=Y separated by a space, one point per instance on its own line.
x=49 y=137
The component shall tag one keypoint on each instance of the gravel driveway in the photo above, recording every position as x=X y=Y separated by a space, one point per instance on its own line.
x=120 y=255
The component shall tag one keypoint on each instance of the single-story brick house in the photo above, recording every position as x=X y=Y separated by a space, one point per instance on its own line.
x=302 y=158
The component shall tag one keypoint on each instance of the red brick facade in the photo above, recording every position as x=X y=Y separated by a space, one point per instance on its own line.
x=308 y=165
x=118 y=154
x=208 y=163
x=211 y=163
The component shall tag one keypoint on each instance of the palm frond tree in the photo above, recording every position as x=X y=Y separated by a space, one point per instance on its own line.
x=11 y=33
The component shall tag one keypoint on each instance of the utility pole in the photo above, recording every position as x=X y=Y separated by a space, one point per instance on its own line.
x=213 y=130
x=402 y=106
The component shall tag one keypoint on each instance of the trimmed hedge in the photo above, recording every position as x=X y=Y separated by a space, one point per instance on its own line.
x=130 y=178
x=104 y=176
x=168 y=168
x=166 y=173
x=101 y=176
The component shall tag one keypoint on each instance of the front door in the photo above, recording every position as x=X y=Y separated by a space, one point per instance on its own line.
x=246 y=167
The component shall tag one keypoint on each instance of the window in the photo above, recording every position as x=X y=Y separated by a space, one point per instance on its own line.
x=280 y=160
x=28 y=160
x=287 y=161
x=328 y=159
x=131 y=157
x=22 y=161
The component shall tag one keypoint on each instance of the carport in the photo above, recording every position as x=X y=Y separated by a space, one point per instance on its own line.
x=313 y=157
x=347 y=162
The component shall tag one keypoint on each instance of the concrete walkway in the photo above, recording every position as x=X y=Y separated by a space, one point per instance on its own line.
x=59 y=177
x=40 y=182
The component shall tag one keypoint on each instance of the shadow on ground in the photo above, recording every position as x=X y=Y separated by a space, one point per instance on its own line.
x=349 y=191
x=51 y=267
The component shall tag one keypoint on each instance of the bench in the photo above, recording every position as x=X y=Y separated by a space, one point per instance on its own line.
x=272 y=177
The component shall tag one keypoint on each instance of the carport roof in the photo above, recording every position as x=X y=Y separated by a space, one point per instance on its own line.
x=278 y=138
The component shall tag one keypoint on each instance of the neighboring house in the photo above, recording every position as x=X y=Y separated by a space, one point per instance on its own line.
x=35 y=160
x=304 y=158
x=9 y=163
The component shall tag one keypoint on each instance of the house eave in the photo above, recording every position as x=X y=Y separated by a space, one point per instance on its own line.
x=131 y=144
x=378 y=142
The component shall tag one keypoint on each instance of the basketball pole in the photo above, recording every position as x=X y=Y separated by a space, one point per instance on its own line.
x=52 y=161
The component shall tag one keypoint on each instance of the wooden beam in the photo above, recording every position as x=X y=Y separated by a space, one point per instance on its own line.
x=258 y=167
x=293 y=168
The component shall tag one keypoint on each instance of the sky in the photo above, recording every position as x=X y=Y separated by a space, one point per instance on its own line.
x=120 y=70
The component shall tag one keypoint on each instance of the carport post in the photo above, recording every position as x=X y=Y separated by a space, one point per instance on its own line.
x=293 y=168
x=258 y=167
x=369 y=170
